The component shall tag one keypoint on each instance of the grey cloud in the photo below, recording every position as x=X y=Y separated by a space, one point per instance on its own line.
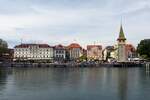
x=69 y=19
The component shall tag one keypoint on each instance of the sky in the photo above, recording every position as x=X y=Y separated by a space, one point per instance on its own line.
x=66 y=21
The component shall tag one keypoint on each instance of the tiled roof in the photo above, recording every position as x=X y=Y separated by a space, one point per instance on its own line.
x=22 y=46
x=92 y=46
x=74 y=45
x=130 y=47
x=27 y=45
x=44 y=46
x=59 y=46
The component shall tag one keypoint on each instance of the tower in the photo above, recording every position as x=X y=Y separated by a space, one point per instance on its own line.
x=121 y=46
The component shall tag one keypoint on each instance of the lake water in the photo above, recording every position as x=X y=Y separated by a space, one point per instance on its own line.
x=74 y=84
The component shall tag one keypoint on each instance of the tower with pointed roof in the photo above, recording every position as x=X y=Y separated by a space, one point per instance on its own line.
x=121 y=46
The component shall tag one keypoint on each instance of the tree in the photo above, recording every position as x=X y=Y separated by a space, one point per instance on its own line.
x=3 y=47
x=83 y=58
x=144 y=48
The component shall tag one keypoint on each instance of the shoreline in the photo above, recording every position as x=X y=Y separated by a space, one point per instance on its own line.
x=70 y=65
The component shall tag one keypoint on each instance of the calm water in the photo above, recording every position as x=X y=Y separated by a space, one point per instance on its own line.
x=74 y=84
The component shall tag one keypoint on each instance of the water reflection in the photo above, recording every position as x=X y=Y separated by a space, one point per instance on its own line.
x=122 y=84
x=147 y=71
x=2 y=80
x=4 y=73
x=74 y=84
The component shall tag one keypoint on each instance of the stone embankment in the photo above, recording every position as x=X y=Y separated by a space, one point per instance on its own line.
x=83 y=64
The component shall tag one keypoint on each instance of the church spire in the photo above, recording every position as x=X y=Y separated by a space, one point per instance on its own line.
x=121 y=34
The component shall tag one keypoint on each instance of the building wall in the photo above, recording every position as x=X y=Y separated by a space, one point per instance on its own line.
x=130 y=51
x=114 y=52
x=60 y=54
x=33 y=52
x=75 y=53
x=121 y=51
x=94 y=53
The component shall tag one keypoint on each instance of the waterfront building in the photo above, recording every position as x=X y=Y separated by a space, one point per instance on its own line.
x=130 y=51
x=33 y=52
x=121 y=46
x=94 y=52
x=59 y=52
x=75 y=51
x=114 y=52
x=109 y=53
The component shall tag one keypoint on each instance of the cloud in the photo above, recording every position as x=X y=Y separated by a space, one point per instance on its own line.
x=63 y=21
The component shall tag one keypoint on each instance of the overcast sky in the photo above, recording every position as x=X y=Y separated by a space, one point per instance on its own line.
x=67 y=21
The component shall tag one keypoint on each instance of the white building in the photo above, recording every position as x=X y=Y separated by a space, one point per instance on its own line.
x=75 y=51
x=59 y=52
x=33 y=52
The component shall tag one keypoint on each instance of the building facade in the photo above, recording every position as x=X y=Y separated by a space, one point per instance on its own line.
x=130 y=52
x=75 y=51
x=121 y=46
x=33 y=52
x=59 y=53
x=94 y=52
x=109 y=53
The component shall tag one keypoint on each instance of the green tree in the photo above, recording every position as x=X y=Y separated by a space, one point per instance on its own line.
x=144 y=48
x=3 y=47
x=83 y=58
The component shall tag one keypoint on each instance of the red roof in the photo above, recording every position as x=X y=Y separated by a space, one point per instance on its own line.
x=130 y=47
x=92 y=46
x=27 y=45
x=74 y=45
